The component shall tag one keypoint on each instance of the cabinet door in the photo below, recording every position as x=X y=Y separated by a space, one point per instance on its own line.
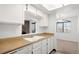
x=44 y=46
x=31 y=9
x=24 y=50
x=52 y=43
x=29 y=49
x=49 y=45
x=39 y=13
x=44 y=20
x=44 y=49
x=21 y=51
x=30 y=12
x=13 y=13
x=37 y=44
x=37 y=50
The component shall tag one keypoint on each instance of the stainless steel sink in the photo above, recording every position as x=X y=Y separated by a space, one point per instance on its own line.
x=29 y=36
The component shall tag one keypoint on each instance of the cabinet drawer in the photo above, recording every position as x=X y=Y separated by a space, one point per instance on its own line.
x=37 y=44
x=23 y=50
x=19 y=51
x=29 y=48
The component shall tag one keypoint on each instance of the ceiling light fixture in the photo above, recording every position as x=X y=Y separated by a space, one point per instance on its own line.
x=50 y=7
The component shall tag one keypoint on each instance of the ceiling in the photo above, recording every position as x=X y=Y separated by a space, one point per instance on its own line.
x=61 y=12
x=48 y=8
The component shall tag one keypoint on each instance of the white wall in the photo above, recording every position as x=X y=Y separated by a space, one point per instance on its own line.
x=52 y=23
x=72 y=35
x=69 y=13
x=52 y=27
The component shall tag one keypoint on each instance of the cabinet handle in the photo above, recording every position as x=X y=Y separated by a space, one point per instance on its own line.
x=32 y=52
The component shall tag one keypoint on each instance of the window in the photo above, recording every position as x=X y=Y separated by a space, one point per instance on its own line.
x=63 y=26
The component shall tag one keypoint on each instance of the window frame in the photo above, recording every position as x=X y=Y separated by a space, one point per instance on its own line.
x=63 y=26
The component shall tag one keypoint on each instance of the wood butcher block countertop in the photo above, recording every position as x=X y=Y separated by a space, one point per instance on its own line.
x=10 y=44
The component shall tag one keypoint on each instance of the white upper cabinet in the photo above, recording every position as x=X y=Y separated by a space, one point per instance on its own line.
x=39 y=13
x=13 y=14
x=44 y=20
x=31 y=9
x=34 y=13
x=31 y=12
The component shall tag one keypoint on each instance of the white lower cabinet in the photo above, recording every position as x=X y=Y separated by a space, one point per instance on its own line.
x=37 y=48
x=23 y=50
x=44 y=46
x=49 y=45
x=44 y=50
x=29 y=51
x=52 y=43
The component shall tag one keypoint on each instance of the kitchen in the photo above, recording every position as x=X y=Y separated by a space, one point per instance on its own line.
x=39 y=29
